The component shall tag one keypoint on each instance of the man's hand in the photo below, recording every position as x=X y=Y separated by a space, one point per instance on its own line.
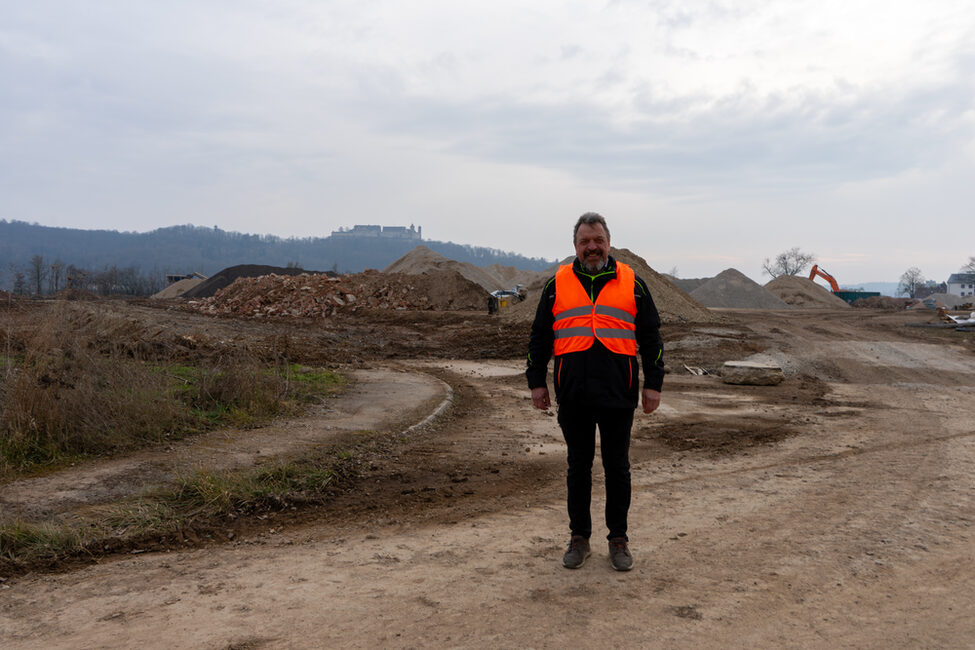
x=651 y=400
x=540 y=398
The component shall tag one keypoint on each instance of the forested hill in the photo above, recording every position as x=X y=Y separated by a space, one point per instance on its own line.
x=185 y=249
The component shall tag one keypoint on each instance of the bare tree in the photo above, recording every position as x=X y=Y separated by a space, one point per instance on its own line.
x=20 y=283
x=791 y=262
x=911 y=281
x=970 y=267
x=76 y=278
x=37 y=272
x=56 y=277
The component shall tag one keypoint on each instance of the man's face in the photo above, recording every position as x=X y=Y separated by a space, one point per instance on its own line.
x=592 y=246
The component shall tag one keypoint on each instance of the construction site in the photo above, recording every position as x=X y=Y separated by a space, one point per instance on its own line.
x=824 y=500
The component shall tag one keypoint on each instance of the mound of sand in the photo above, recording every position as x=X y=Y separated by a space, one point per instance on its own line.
x=803 y=293
x=227 y=276
x=177 y=289
x=948 y=300
x=674 y=305
x=318 y=295
x=733 y=289
x=509 y=276
x=423 y=260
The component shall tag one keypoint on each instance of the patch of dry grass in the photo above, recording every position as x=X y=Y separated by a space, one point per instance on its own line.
x=65 y=394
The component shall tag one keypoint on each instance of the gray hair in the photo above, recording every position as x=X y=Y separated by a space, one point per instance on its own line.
x=590 y=219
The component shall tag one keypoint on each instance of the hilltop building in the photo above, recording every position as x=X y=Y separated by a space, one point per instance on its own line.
x=386 y=232
x=961 y=284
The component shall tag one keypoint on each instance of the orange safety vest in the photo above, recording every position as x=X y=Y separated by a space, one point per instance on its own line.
x=612 y=319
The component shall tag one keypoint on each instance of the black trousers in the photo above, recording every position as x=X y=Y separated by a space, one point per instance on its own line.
x=579 y=422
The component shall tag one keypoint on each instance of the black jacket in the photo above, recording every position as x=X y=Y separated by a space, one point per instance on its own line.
x=597 y=376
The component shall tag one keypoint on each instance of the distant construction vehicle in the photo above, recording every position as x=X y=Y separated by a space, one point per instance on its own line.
x=504 y=298
x=848 y=296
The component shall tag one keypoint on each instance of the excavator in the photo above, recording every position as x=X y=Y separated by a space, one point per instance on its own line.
x=848 y=296
x=824 y=275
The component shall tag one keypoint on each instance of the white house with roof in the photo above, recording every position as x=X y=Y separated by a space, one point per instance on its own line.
x=962 y=284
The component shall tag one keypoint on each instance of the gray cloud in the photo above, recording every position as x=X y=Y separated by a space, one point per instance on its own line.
x=798 y=140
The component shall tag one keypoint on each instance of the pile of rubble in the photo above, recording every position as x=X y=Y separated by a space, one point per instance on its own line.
x=318 y=295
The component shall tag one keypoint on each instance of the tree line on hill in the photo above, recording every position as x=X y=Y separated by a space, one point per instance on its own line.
x=40 y=260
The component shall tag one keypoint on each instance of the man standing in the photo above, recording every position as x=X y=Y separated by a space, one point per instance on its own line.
x=595 y=315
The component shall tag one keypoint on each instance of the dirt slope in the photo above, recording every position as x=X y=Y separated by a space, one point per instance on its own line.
x=177 y=289
x=804 y=293
x=509 y=276
x=422 y=260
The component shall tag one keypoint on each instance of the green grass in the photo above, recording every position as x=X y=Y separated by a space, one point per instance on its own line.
x=199 y=500
x=217 y=494
x=26 y=542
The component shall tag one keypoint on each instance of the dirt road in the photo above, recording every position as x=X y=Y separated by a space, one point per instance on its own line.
x=833 y=510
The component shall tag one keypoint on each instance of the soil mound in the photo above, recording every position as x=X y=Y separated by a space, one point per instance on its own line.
x=803 y=293
x=177 y=289
x=733 y=289
x=227 y=276
x=948 y=300
x=882 y=302
x=674 y=305
x=423 y=260
x=509 y=276
x=319 y=295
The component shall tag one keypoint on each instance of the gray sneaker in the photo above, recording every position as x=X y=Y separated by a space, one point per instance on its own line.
x=575 y=556
x=619 y=554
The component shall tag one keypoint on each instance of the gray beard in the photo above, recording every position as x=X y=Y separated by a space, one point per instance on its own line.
x=594 y=268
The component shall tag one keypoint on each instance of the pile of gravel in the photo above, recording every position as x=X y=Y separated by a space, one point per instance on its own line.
x=732 y=289
x=687 y=284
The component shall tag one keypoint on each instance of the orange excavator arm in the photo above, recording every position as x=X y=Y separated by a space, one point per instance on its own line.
x=824 y=275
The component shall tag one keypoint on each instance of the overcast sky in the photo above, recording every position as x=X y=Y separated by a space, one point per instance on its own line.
x=709 y=134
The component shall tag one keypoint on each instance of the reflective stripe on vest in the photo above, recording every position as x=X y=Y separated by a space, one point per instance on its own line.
x=612 y=320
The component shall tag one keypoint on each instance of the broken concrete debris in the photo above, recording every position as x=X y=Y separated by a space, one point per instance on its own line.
x=751 y=373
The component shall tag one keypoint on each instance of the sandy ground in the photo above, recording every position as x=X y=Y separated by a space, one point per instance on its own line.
x=833 y=510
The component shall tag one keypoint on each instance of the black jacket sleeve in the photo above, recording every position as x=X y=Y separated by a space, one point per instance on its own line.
x=648 y=337
x=542 y=339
